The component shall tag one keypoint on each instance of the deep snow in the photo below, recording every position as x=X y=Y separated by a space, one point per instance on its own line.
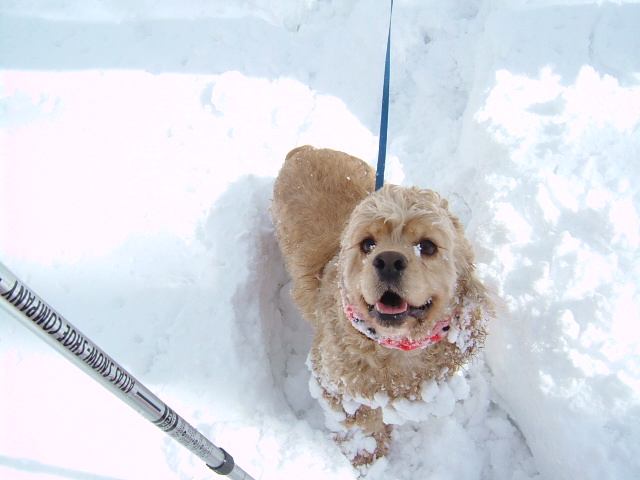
x=138 y=146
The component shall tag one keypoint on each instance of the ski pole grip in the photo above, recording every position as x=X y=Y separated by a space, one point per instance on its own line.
x=227 y=465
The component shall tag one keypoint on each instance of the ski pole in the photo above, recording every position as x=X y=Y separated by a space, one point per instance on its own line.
x=54 y=329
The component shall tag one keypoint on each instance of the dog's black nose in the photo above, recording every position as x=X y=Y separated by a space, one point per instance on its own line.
x=390 y=265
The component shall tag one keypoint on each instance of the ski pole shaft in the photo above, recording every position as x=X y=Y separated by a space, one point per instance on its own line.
x=33 y=312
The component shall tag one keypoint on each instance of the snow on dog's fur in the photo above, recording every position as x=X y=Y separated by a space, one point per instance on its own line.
x=387 y=280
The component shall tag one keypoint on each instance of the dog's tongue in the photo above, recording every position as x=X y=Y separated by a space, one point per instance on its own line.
x=391 y=309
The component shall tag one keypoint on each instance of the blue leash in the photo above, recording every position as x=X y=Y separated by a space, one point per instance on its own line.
x=384 y=116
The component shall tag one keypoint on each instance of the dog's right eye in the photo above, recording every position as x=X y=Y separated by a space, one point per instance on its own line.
x=367 y=245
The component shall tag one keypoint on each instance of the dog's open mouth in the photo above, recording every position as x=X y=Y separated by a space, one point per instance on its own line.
x=397 y=310
x=391 y=310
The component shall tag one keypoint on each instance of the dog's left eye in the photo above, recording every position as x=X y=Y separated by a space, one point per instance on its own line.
x=427 y=248
x=367 y=245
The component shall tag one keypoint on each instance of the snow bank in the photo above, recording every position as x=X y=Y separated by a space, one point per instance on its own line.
x=560 y=216
x=138 y=149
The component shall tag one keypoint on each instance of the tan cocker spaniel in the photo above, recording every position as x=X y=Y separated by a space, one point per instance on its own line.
x=387 y=280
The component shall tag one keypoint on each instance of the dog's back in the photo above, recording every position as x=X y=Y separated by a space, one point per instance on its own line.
x=313 y=197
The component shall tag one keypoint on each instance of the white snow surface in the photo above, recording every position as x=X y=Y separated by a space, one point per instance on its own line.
x=139 y=142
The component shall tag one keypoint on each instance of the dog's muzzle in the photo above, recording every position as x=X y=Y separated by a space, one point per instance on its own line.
x=392 y=310
x=364 y=326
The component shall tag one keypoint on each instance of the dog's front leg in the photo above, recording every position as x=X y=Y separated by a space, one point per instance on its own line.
x=358 y=429
x=367 y=437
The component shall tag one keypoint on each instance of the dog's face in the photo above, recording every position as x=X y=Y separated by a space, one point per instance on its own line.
x=401 y=260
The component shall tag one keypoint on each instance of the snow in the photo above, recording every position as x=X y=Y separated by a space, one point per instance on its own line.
x=138 y=147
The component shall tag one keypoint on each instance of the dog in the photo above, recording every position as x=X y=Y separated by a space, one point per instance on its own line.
x=386 y=278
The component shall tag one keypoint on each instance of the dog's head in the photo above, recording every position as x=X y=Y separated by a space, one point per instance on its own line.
x=405 y=267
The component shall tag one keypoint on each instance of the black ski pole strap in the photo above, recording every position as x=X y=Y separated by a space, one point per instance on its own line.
x=227 y=464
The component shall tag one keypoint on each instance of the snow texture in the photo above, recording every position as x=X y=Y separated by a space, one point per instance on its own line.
x=139 y=142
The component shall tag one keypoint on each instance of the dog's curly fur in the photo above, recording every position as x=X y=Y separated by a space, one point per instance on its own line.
x=336 y=235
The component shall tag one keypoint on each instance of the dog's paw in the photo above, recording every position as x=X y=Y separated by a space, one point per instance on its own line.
x=364 y=459
x=362 y=448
